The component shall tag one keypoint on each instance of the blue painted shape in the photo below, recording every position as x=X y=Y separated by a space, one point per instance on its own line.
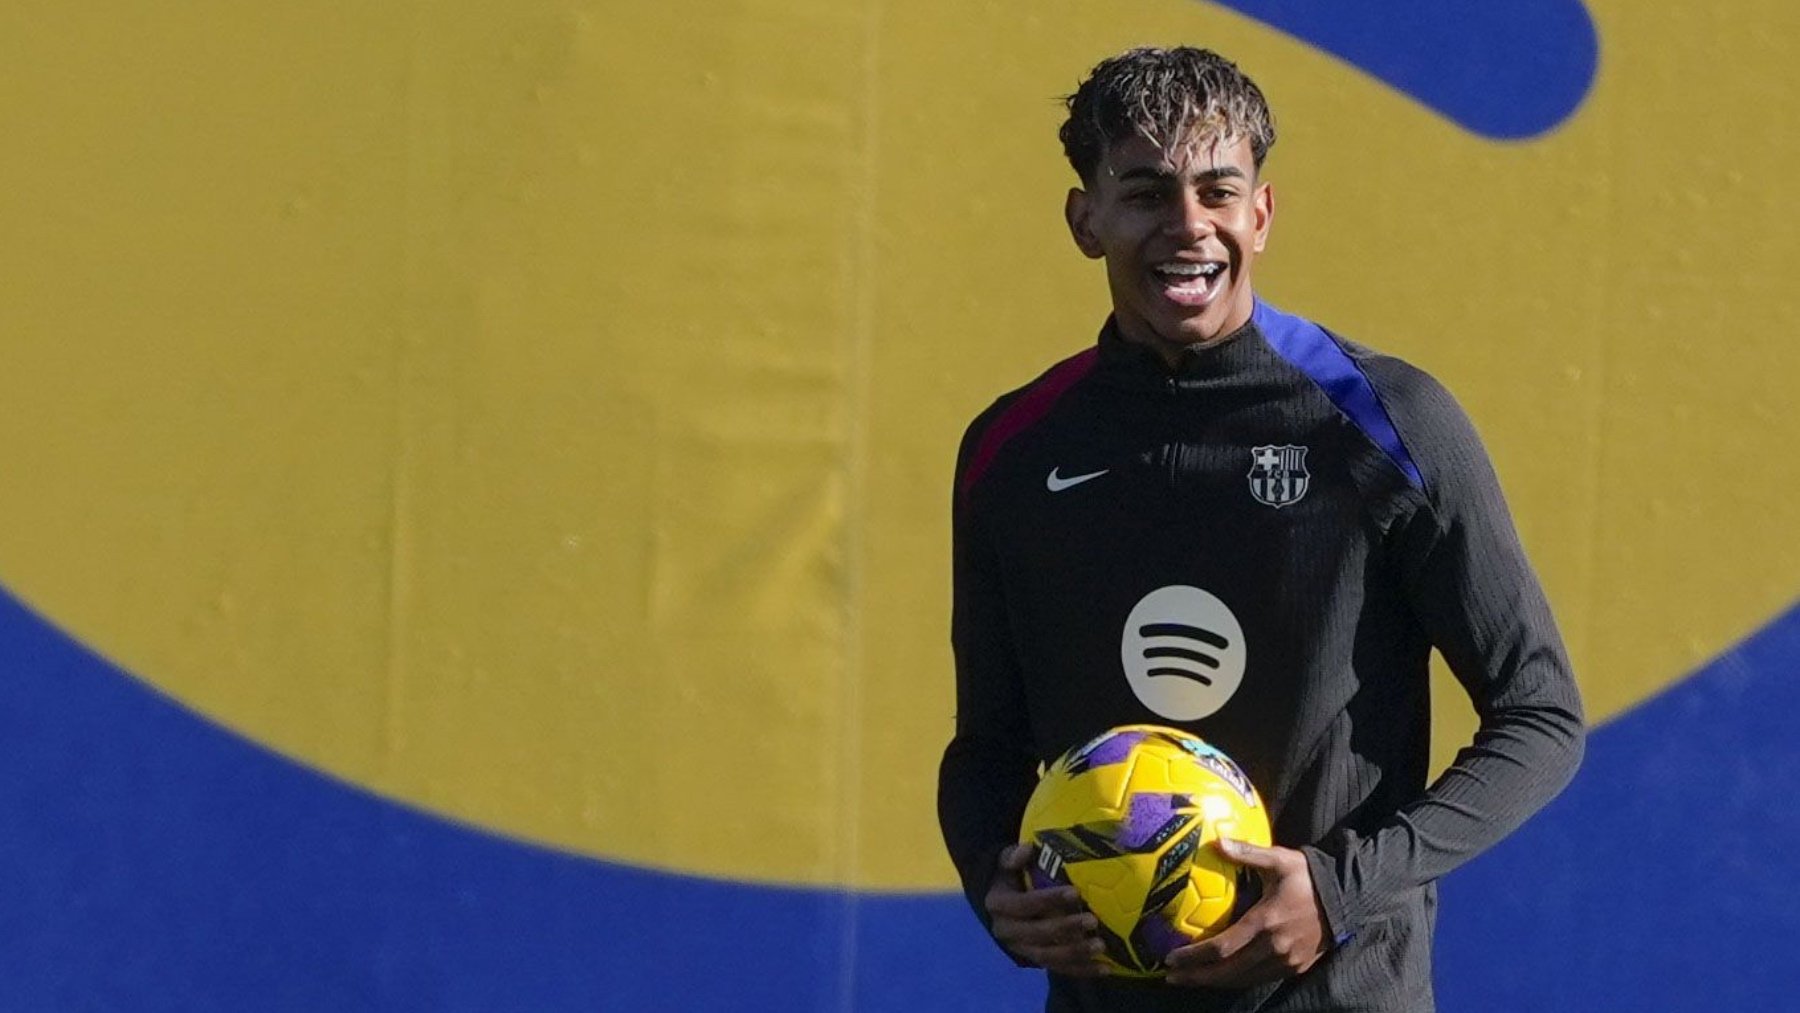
x=1505 y=71
x=1665 y=877
x=155 y=861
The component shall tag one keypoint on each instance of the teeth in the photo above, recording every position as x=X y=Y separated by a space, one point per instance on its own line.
x=1188 y=270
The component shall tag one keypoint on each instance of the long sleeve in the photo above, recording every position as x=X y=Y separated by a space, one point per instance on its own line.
x=1472 y=591
x=989 y=767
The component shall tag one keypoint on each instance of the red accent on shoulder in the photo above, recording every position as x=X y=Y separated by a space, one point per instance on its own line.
x=1024 y=413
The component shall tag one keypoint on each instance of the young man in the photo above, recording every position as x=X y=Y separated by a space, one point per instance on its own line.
x=1324 y=513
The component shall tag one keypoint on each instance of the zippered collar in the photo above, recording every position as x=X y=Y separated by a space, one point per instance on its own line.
x=1125 y=363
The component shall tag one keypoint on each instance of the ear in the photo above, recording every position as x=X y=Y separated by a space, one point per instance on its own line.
x=1078 y=210
x=1265 y=214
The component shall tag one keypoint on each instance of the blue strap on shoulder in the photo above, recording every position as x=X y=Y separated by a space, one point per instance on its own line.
x=1313 y=351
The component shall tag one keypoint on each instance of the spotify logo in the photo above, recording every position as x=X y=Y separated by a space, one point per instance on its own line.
x=1183 y=652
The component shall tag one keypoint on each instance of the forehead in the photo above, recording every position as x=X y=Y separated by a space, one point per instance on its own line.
x=1195 y=155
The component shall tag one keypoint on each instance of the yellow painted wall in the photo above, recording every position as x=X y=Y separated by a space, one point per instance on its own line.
x=542 y=412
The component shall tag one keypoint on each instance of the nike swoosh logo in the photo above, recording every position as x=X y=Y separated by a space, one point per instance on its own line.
x=1056 y=483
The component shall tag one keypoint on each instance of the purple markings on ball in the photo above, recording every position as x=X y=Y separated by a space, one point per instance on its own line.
x=1113 y=749
x=1160 y=938
x=1150 y=813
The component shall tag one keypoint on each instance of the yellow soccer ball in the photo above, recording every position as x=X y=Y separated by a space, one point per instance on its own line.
x=1129 y=819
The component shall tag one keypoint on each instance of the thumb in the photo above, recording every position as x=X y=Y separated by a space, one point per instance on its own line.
x=1247 y=854
x=1016 y=857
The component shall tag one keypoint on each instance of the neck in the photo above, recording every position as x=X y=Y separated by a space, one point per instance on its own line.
x=1170 y=350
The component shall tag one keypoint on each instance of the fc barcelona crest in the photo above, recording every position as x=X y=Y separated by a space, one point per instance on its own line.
x=1278 y=475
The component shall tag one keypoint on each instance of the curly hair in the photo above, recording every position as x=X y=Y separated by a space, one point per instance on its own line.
x=1168 y=96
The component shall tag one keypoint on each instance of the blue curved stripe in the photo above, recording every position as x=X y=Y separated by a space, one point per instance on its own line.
x=154 y=861
x=1665 y=877
x=1313 y=352
x=1505 y=71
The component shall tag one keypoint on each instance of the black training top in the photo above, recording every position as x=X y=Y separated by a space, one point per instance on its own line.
x=1261 y=546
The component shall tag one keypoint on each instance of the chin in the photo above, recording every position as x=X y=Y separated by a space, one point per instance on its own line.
x=1216 y=321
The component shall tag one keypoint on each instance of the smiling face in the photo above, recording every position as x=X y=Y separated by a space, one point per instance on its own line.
x=1179 y=230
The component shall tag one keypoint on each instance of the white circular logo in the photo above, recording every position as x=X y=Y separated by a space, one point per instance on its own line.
x=1183 y=652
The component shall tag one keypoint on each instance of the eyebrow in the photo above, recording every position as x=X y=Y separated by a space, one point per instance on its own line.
x=1163 y=175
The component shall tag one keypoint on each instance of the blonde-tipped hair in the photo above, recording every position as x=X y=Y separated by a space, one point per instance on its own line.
x=1172 y=97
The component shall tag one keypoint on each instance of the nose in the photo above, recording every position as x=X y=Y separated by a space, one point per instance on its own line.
x=1189 y=219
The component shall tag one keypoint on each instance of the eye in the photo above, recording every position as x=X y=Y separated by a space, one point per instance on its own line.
x=1217 y=195
x=1146 y=197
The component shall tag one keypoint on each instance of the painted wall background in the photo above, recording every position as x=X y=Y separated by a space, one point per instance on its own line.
x=473 y=526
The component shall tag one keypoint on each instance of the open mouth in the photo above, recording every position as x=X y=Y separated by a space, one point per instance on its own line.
x=1190 y=283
